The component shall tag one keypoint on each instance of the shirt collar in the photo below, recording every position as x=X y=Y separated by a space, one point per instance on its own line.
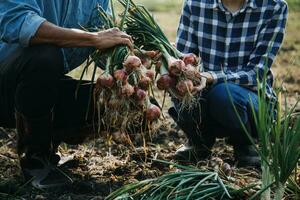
x=213 y=4
x=252 y=4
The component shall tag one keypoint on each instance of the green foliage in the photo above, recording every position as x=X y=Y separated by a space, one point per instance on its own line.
x=294 y=5
x=279 y=140
x=145 y=31
x=190 y=183
x=293 y=187
x=161 y=5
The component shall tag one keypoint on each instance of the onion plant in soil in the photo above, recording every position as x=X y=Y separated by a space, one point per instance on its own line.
x=279 y=141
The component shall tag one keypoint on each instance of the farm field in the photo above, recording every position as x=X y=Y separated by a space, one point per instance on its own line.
x=98 y=168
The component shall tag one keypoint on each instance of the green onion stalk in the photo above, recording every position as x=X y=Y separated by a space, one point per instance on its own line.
x=187 y=184
x=144 y=29
x=263 y=120
x=279 y=141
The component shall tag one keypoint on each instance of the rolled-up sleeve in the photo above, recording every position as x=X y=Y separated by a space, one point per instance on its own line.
x=19 y=21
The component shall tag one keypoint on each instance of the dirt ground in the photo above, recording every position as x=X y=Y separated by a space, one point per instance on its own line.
x=98 y=169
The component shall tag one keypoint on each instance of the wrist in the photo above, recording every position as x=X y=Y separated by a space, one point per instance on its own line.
x=88 y=39
x=80 y=38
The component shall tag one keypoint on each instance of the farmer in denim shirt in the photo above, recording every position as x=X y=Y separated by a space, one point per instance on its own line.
x=39 y=42
x=237 y=41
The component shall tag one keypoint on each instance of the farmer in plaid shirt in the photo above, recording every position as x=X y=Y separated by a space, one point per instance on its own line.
x=237 y=41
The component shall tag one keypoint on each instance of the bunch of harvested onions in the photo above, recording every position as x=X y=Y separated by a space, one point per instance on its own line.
x=179 y=73
x=122 y=92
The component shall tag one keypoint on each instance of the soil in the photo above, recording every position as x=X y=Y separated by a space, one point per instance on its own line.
x=98 y=169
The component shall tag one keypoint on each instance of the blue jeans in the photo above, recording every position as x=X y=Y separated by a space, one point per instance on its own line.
x=215 y=115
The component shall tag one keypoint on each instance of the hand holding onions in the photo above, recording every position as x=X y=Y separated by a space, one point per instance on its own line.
x=124 y=89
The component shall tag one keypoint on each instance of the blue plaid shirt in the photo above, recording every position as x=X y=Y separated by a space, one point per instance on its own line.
x=234 y=46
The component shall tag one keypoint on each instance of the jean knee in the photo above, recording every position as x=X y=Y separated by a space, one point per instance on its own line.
x=226 y=104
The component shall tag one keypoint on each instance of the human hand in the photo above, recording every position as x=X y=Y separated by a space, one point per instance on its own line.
x=208 y=76
x=206 y=79
x=109 y=38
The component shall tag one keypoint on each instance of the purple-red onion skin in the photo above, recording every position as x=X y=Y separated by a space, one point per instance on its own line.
x=184 y=87
x=127 y=90
x=105 y=80
x=144 y=53
x=176 y=67
x=140 y=95
x=120 y=75
x=190 y=59
x=145 y=82
x=151 y=54
x=150 y=74
x=191 y=72
x=153 y=113
x=165 y=82
x=132 y=63
x=147 y=63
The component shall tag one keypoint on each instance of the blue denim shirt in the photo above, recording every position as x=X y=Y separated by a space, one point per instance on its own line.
x=20 y=19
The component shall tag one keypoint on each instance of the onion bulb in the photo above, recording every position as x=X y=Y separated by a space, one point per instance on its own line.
x=184 y=87
x=190 y=59
x=191 y=72
x=140 y=95
x=165 y=82
x=150 y=74
x=176 y=67
x=127 y=90
x=144 y=82
x=153 y=113
x=132 y=63
x=120 y=75
x=105 y=80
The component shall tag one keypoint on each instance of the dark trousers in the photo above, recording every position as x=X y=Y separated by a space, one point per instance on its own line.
x=215 y=115
x=32 y=81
